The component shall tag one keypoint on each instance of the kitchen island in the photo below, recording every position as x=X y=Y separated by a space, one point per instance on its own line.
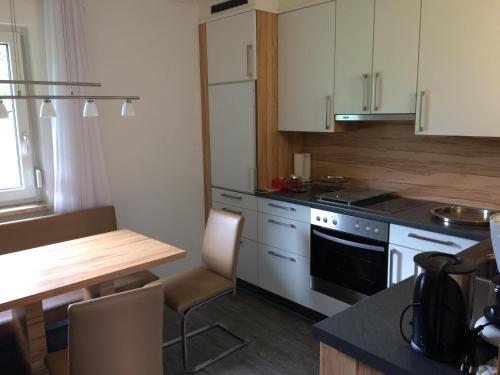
x=365 y=339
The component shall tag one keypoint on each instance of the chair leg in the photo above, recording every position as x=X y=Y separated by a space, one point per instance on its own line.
x=184 y=342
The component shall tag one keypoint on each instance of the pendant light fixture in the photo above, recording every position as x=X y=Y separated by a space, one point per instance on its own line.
x=47 y=109
x=128 y=109
x=3 y=110
x=90 y=108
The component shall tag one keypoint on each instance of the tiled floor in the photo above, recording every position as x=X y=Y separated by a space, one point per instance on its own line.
x=281 y=341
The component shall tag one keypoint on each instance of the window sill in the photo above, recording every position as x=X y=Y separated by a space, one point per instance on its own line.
x=24 y=211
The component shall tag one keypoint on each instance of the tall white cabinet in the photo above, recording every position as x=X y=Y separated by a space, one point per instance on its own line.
x=306 y=47
x=459 y=79
x=376 y=56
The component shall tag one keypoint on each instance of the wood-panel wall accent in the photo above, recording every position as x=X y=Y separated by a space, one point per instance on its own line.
x=274 y=149
x=333 y=362
x=463 y=170
x=205 y=121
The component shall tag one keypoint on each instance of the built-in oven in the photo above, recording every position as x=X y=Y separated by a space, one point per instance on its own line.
x=349 y=255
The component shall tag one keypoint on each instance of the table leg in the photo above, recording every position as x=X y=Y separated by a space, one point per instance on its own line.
x=107 y=288
x=29 y=324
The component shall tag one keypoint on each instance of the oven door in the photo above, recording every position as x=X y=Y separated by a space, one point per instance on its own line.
x=347 y=267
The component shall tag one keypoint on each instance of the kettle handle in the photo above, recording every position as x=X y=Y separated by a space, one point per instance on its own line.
x=413 y=305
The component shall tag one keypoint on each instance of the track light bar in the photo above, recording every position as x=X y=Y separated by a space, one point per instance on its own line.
x=54 y=97
x=48 y=83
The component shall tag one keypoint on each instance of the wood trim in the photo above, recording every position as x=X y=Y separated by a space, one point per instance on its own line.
x=274 y=148
x=205 y=119
x=333 y=362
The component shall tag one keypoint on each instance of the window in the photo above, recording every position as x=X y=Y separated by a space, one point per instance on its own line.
x=17 y=175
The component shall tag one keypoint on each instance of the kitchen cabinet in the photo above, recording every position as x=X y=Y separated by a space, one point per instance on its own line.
x=231 y=48
x=458 y=80
x=376 y=56
x=233 y=136
x=306 y=47
x=285 y=274
x=401 y=264
x=250 y=226
x=248 y=261
x=285 y=209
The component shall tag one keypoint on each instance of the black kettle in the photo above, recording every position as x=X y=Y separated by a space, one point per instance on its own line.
x=442 y=305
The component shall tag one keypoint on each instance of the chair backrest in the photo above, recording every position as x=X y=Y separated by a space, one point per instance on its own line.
x=221 y=243
x=46 y=230
x=118 y=334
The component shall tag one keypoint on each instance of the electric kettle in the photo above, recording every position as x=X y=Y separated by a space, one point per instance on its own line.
x=442 y=305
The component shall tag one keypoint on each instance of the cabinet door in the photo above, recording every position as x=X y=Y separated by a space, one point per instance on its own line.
x=458 y=78
x=395 y=56
x=353 y=56
x=401 y=265
x=306 y=45
x=233 y=135
x=248 y=262
x=231 y=48
x=285 y=274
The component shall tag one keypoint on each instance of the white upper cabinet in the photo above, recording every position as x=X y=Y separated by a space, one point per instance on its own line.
x=459 y=79
x=376 y=56
x=306 y=47
x=353 y=56
x=231 y=48
x=395 y=56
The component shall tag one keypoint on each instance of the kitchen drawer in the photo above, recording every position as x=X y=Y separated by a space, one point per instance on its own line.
x=250 y=226
x=285 y=274
x=284 y=209
x=286 y=234
x=427 y=241
x=248 y=262
x=234 y=199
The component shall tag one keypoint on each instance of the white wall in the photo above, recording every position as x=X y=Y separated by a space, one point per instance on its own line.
x=154 y=160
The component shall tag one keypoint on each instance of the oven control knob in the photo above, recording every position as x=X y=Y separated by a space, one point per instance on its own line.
x=356 y=226
x=376 y=231
x=325 y=220
x=368 y=228
x=334 y=221
x=318 y=218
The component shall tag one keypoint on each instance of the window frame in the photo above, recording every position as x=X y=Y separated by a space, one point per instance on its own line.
x=24 y=120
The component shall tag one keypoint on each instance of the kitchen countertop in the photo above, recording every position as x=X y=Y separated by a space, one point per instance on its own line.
x=418 y=216
x=369 y=330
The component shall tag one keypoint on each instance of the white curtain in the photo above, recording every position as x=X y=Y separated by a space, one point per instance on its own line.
x=79 y=171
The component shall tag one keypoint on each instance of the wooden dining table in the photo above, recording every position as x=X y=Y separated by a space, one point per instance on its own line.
x=30 y=276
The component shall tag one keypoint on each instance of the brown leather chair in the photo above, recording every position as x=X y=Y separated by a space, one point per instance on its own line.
x=190 y=289
x=117 y=334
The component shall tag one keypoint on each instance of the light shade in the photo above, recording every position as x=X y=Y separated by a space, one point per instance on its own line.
x=128 y=109
x=3 y=110
x=47 y=109
x=90 y=109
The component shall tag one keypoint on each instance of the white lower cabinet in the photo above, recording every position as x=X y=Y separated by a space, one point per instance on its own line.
x=285 y=234
x=401 y=265
x=285 y=274
x=248 y=262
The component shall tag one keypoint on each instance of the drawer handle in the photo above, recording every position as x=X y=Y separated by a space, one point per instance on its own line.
x=231 y=196
x=232 y=211
x=429 y=239
x=282 y=224
x=281 y=256
x=274 y=205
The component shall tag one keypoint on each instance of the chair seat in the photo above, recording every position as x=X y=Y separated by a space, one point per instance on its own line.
x=57 y=362
x=189 y=288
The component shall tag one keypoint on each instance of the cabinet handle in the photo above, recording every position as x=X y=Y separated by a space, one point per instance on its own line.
x=231 y=196
x=328 y=111
x=376 y=96
x=281 y=256
x=232 y=211
x=249 y=60
x=391 y=266
x=430 y=239
x=419 y=122
x=274 y=205
x=365 y=92
x=282 y=224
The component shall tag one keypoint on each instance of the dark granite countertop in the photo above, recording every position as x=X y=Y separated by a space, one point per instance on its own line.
x=416 y=216
x=369 y=330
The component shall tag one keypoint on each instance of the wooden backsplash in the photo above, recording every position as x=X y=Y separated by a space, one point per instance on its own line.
x=462 y=170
